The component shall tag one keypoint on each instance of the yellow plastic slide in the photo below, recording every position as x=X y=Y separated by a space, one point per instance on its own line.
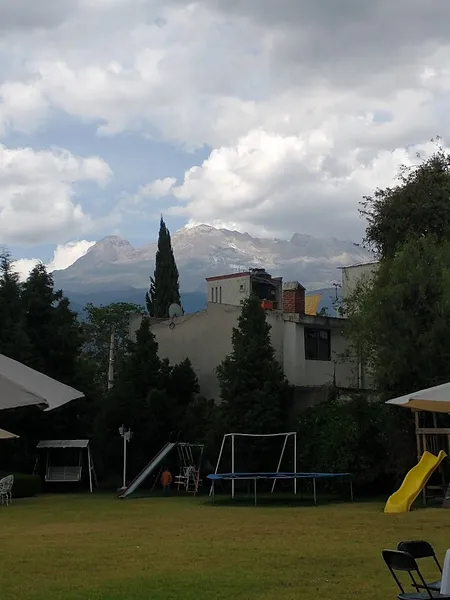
x=414 y=482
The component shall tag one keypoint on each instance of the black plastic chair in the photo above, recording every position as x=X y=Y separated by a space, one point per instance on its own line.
x=398 y=561
x=421 y=549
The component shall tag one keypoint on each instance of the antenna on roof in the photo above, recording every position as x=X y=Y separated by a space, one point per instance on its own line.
x=175 y=310
x=336 y=286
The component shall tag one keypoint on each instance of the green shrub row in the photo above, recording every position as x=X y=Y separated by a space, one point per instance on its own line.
x=25 y=485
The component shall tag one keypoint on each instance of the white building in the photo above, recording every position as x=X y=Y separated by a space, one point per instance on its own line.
x=353 y=274
x=310 y=348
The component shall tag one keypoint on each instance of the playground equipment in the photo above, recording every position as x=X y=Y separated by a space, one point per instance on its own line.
x=189 y=475
x=69 y=468
x=232 y=436
x=275 y=475
x=431 y=407
x=414 y=482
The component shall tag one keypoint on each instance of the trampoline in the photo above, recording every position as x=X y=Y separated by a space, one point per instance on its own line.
x=213 y=477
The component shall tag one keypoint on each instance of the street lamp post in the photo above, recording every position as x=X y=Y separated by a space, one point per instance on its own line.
x=126 y=435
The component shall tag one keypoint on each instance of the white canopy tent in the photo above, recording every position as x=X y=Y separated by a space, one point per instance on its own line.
x=22 y=386
x=435 y=399
x=7 y=435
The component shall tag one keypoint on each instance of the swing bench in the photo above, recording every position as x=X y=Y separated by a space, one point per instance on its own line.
x=67 y=473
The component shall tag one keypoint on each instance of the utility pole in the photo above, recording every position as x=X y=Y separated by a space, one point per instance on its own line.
x=126 y=435
x=111 y=361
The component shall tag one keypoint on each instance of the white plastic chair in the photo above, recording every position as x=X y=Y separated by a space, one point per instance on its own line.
x=6 y=489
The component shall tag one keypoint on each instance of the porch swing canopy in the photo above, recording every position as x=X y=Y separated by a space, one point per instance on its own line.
x=62 y=444
x=433 y=399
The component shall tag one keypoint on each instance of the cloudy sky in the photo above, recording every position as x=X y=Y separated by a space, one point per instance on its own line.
x=263 y=116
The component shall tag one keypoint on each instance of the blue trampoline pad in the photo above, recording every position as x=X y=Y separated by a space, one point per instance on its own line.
x=263 y=475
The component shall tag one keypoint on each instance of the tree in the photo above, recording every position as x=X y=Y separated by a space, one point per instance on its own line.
x=53 y=329
x=403 y=318
x=347 y=435
x=102 y=322
x=151 y=397
x=138 y=375
x=164 y=285
x=256 y=397
x=418 y=206
x=14 y=341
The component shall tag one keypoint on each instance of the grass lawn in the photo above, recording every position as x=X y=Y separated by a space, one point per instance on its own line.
x=89 y=548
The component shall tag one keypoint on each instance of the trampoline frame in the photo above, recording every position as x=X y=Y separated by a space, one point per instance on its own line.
x=287 y=435
x=255 y=476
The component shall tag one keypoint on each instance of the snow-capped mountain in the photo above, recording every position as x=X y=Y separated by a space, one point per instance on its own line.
x=202 y=251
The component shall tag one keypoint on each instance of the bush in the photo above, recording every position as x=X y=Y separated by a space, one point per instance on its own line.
x=25 y=486
x=359 y=436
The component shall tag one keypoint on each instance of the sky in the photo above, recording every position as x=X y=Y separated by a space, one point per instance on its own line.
x=261 y=116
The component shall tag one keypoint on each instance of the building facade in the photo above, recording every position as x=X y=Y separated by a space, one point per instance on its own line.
x=354 y=274
x=235 y=288
x=310 y=348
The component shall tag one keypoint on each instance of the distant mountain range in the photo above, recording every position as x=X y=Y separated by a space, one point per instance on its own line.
x=114 y=271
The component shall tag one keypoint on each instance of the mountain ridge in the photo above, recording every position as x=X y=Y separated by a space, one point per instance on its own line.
x=113 y=263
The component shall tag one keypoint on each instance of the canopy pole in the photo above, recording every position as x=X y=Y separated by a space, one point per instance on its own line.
x=90 y=468
x=232 y=464
x=416 y=420
x=295 y=462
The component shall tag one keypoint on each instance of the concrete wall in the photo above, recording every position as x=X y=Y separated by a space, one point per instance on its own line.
x=229 y=290
x=355 y=273
x=205 y=338
x=311 y=373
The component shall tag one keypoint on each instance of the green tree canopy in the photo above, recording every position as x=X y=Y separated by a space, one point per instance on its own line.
x=401 y=320
x=256 y=397
x=100 y=323
x=53 y=329
x=151 y=397
x=14 y=341
x=164 y=285
x=418 y=206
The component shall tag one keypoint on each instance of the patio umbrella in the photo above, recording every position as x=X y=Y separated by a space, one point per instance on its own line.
x=22 y=386
x=433 y=399
x=7 y=435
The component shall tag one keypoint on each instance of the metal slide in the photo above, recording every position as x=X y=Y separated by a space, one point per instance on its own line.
x=155 y=462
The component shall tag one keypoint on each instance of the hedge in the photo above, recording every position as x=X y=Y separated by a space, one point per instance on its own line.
x=25 y=485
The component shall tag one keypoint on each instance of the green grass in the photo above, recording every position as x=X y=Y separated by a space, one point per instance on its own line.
x=96 y=547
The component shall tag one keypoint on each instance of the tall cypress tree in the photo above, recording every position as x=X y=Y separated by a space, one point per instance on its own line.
x=256 y=397
x=164 y=285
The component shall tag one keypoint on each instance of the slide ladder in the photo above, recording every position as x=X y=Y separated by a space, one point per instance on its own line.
x=146 y=471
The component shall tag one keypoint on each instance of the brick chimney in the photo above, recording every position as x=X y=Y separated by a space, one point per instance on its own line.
x=293 y=297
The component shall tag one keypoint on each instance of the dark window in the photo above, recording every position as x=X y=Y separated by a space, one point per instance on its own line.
x=317 y=344
x=220 y=295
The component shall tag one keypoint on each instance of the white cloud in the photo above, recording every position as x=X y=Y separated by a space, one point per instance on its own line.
x=158 y=188
x=305 y=106
x=272 y=184
x=64 y=255
x=38 y=193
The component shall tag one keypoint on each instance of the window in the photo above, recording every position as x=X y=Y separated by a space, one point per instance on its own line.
x=220 y=295
x=242 y=288
x=212 y=294
x=317 y=344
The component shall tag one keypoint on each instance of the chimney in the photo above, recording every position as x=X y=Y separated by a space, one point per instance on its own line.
x=293 y=297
